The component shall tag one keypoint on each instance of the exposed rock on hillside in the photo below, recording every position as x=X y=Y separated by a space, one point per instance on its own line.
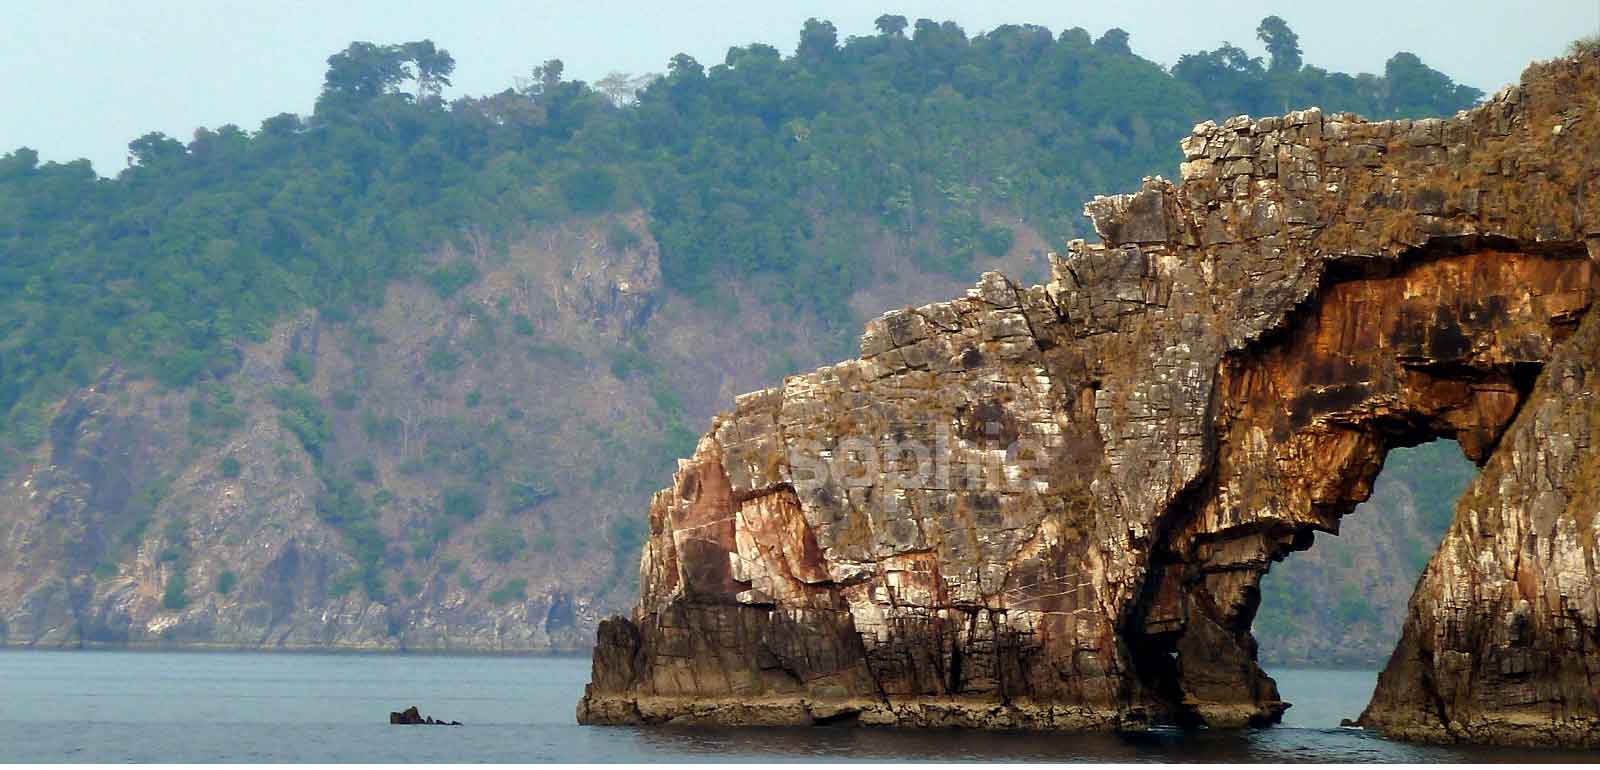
x=382 y=483
x=1051 y=506
x=453 y=469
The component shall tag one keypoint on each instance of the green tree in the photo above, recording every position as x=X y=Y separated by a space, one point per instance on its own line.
x=173 y=597
x=462 y=501
x=1416 y=88
x=1283 y=45
x=154 y=149
x=588 y=190
x=890 y=25
x=434 y=66
x=819 y=41
x=1228 y=78
x=1115 y=42
x=514 y=590
x=364 y=71
x=501 y=543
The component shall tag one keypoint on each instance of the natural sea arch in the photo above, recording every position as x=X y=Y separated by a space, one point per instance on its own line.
x=1218 y=380
x=1445 y=342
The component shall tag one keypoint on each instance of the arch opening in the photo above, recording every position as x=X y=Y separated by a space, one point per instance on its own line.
x=1329 y=617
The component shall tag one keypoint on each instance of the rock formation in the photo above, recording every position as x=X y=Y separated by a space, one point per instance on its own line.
x=413 y=716
x=1341 y=604
x=1051 y=506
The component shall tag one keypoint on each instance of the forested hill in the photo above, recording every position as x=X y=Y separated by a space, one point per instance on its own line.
x=745 y=167
x=403 y=373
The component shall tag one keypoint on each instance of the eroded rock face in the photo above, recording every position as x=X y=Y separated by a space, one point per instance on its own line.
x=1500 y=639
x=1051 y=506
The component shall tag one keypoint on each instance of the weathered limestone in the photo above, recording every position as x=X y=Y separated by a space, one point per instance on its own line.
x=1050 y=507
x=1500 y=640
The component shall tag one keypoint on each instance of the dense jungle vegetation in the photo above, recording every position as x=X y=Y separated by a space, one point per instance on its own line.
x=760 y=165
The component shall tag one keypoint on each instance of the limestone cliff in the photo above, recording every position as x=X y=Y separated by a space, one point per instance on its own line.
x=1051 y=506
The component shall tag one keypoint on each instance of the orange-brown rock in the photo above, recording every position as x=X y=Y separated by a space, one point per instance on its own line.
x=1050 y=507
x=1500 y=639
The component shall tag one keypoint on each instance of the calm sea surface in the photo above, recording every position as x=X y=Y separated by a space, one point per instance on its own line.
x=253 y=707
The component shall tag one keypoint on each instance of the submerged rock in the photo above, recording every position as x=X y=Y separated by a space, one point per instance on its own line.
x=1050 y=507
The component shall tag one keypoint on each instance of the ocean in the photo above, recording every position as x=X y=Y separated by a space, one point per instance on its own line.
x=114 y=706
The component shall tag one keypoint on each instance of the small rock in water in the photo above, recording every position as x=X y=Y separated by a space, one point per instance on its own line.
x=412 y=716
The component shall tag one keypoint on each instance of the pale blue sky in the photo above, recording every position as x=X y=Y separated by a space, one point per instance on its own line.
x=83 y=77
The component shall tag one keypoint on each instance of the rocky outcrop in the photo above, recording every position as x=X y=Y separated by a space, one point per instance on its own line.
x=1051 y=506
x=413 y=716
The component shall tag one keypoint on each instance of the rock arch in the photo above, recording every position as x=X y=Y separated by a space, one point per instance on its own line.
x=1050 y=506
x=1432 y=347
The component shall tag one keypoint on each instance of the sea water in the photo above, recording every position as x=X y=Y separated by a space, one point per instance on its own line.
x=105 y=706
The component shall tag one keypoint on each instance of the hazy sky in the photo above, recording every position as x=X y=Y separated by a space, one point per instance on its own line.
x=84 y=77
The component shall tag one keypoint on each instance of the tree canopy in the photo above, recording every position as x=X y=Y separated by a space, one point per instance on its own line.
x=760 y=165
